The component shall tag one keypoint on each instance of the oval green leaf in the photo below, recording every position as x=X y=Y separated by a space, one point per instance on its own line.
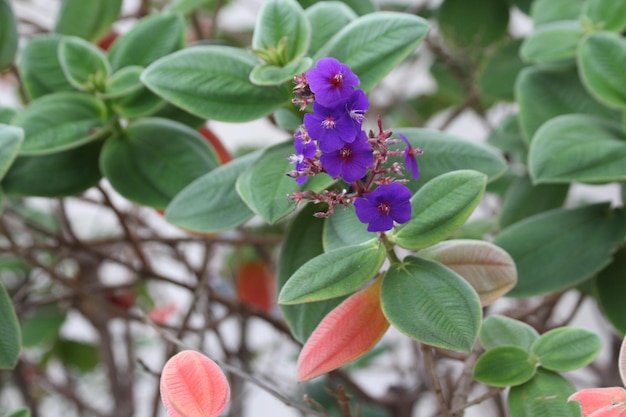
x=547 y=11
x=374 y=44
x=333 y=274
x=504 y=366
x=10 y=338
x=11 y=139
x=137 y=104
x=606 y=14
x=543 y=252
x=8 y=35
x=431 y=304
x=213 y=82
x=440 y=207
x=323 y=28
x=72 y=119
x=88 y=20
x=123 y=82
x=85 y=66
x=155 y=160
x=267 y=74
x=553 y=42
x=343 y=228
x=501 y=330
x=566 y=348
x=544 y=395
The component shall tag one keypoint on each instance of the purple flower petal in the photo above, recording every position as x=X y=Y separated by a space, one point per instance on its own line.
x=383 y=206
x=351 y=162
x=356 y=106
x=331 y=81
x=331 y=127
x=410 y=161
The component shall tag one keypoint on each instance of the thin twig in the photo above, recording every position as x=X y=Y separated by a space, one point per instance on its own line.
x=430 y=366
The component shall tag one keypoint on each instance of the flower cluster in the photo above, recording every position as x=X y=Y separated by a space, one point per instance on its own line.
x=332 y=140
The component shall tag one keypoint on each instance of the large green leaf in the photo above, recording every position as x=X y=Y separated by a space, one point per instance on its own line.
x=501 y=331
x=89 y=20
x=431 y=304
x=544 y=395
x=71 y=119
x=473 y=23
x=8 y=35
x=505 y=366
x=10 y=338
x=213 y=82
x=323 y=28
x=544 y=93
x=40 y=69
x=333 y=274
x=560 y=248
x=606 y=14
x=343 y=228
x=577 y=147
x=296 y=251
x=601 y=59
x=553 y=42
x=211 y=203
x=566 y=348
x=374 y=44
x=610 y=289
x=282 y=24
x=85 y=66
x=154 y=160
x=55 y=175
x=499 y=70
x=440 y=207
x=547 y=11
x=11 y=139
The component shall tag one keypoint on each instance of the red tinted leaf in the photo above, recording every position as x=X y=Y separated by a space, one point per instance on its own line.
x=347 y=332
x=598 y=401
x=256 y=285
x=192 y=385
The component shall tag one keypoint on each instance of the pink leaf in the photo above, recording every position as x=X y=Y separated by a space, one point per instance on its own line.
x=600 y=401
x=617 y=410
x=347 y=332
x=192 y=385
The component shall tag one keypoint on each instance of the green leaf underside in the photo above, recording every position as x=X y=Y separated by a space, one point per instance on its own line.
x=431 y=304
x=59 y=122
x=504 y=366
x=155 y=160
x=566 y=348
x=213 y=82
x=211 y=203
x=11 y=139
x=333 y=274
x=544 y=395
x=548 y=259
x=374 y=44
x=440 y=207
x=10 y=339
x=610 y=287
x=501 y=330
x=343 y=228
x=303 y=318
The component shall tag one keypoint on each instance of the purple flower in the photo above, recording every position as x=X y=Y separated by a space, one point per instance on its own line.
x=410 y=161
x=351 y=161
x=331 y=81
x=304 y=150
x=356 y=106
x=383 y=206
x=331 y=127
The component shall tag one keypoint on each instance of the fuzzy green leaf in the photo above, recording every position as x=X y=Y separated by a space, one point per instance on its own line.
x=504 y=366
x=8 y=35
x=11 y=139
x=501 y=330
x=89 y=20
x=544 y=395
x=10 y=338
x=566 y=348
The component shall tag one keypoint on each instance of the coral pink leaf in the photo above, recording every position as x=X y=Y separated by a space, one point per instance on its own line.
x=599 y=401
x=622 y=362
x=347 y=332
x=192 y=385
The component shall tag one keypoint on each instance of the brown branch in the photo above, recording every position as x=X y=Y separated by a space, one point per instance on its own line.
x=432 y=371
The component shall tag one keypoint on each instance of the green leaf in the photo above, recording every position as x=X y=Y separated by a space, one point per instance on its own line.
x=523 y=5
x=211 y=204
x=21 y=412
x=547 y=11
x=553 y=42
x=360 y=7
x=140 y=103
x=606 y=14
x=333 y=274
x=431 y=304
x=499 y=71
x=508 y=137
x=501 y=330
x=7 y=114
x=213 y=82
x=266 y=74
x=151 y=38
x=544 y=93
x=82 y=356
x=282 y=21
x=155 y=160
x=444 y=153
x=566 y=348
x=601 y=59
x=40 y=68
x=323 y=28
x=42 y=325
x=544 y=395
x=523 y=199
x=577 y=147
x=609 y=289
x=11 y=139
x=296 y=251
x=60 y=174
x=89 y=20
x=440 y=207
x=10 y=339
x=550 y=260
x=374 y=44
x=473 y=23
x=504 y=366
x=72 y=119
x=85 y=66
x=343 y=228
x=123 y=82
x=8 y=35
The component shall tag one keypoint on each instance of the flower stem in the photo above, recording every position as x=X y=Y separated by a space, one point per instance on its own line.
x=391 y=254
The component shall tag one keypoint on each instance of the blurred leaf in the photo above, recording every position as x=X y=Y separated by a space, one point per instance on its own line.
x=499 y=71
x=87 y=19
x=523 y=5
x=566 y=348
x=82 y=356
x=22 y=412
x=501 y=330
x=42 y=326
x=123 y=82
x=610 y=286
x=547 y=11
x=266 y=74
x=544 y=395
x=473 y=23
x=507 y=136
x=10 y=339
x=323 y=28
x=155 y=160
x=343 y=229
x=85 y=66
x=72 y=119
x=363 y=42
x=140 y=103
x=8 y=35
x=7 y=114
x=440 y=207
x=417 y=290
x=553 y=42
x=188 y=6
x=11 y=139
x=549 y=260
x=360 y=7
x=606 y=14
x=504 y=366
x=169 y=111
